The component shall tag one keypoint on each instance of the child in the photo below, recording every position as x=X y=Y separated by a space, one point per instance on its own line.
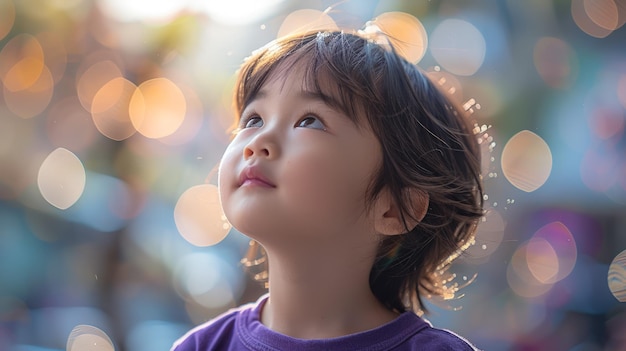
x=361 y=182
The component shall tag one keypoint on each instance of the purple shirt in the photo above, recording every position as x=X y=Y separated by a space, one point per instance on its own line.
x=241 y=329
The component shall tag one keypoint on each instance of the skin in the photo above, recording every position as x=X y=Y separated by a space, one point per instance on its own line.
x=294 y=178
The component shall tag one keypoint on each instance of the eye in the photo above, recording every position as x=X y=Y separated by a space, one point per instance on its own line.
x=253 y=122
x=311 y=122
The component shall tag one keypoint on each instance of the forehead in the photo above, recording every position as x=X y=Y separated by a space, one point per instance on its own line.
x=300 y=72
x=307 y=70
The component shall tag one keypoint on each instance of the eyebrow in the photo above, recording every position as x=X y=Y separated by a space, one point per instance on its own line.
x=309 y=95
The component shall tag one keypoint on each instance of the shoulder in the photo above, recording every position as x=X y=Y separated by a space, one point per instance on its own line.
x=409 y=332
x=446 y=340
x=431 y=338
x=205 y=336
x=214 y=334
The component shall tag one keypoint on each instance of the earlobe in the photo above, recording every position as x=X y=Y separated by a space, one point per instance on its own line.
x=389 y=220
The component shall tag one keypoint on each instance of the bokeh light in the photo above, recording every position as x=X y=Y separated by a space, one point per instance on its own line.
x=157 y=108
x=520 y=277
x=555 y=62
x=88 y=338
x=110 y=109
x=548 y=257
x=192 y=122
x=617 y=277
x=61 y=178
x=24 y=73
x=405 y=32
x=458 y=46
x=105 y=205
x=604 y=13
x=553 y=251
x=542 y=261
x=27 y=82
x=599 y=169
x=93 y=79
x=199 y=217
x=306 y=20
x=21 y=62
x=581 y=11
x=7 y=17
x=607 y=123
x=621 y=9
x=526 y=161
x=55 y=55
x=208 y=280
x=32 y=100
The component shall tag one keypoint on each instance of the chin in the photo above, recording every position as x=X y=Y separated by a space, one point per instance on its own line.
x=254 y=226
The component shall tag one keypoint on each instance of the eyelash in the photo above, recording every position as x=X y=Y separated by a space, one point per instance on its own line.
x=311 y=114
x=243 y=122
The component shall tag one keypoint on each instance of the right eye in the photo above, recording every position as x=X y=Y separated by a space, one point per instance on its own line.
x=253 y=122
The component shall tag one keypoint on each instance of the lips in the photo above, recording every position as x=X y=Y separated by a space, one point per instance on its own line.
x=252 y=176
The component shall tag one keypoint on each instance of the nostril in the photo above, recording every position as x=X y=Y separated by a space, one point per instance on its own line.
x=247 y=152
x=256 y=150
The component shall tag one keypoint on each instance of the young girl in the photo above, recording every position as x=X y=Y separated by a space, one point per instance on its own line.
x=361 y=183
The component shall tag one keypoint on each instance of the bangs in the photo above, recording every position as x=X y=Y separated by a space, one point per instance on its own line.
x=324 y=73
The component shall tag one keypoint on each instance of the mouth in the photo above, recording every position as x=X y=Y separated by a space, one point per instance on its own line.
x=252 y=176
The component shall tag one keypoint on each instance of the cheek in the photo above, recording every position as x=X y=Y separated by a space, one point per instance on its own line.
x=226 y=173
x=333 y=183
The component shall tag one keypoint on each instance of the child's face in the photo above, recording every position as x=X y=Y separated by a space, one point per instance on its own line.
x=297 y=166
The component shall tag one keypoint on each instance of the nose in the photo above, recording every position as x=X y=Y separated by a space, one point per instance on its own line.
x=262 y=145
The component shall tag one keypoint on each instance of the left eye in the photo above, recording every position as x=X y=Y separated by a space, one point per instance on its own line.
x=311 y=122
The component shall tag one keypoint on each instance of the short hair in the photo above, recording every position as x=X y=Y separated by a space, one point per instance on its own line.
x=427 y=143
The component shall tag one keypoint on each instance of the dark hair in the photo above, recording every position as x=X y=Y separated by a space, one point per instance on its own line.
x=426 y=144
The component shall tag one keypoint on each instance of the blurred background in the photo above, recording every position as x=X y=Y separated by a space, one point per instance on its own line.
x=114 y=114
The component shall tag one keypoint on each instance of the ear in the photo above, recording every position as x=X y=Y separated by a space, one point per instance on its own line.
x=389 y=221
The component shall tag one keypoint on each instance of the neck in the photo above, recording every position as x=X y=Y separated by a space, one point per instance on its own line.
x=319 y=298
